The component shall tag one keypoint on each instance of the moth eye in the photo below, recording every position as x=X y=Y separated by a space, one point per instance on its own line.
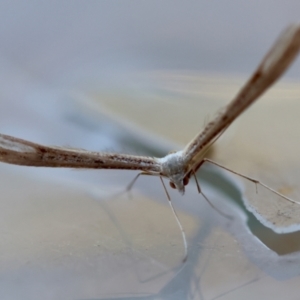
x=172 y=185
x=186 y=180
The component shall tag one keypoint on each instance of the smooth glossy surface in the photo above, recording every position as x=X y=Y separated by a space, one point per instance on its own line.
x=64 y=235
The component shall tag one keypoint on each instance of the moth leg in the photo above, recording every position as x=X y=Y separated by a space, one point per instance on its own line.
x=209 y=202
x=255 y=181
x=129 y=187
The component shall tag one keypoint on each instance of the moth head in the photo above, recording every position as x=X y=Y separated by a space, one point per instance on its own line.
x=173 y=167
x=180 y=187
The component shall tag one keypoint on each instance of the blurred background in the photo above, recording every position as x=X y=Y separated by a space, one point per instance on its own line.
x=143 y=77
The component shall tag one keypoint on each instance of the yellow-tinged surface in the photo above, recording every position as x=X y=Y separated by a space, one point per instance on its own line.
x=105 y=246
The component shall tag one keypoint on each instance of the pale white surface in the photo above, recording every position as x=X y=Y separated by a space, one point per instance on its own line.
x=63 y=235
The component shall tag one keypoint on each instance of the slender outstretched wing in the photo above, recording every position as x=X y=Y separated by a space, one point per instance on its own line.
x=273 y=65
x=21 y=152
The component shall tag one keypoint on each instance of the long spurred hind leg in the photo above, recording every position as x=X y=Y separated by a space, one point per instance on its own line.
x=255 y=181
